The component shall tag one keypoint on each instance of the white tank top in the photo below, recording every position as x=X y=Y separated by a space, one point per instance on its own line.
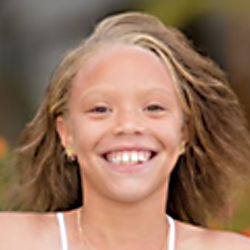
x=64 y=241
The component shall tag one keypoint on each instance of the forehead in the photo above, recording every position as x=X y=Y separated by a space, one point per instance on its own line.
x=124 y=64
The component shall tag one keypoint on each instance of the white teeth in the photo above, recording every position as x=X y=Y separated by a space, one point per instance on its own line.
x=125 y=158
x=142 y=157
x=128 y=157
x=134 y=157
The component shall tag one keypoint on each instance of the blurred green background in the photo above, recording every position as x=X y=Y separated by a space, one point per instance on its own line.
x=34 y=36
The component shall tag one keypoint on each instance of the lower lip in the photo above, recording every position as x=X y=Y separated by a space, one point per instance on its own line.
x=135 y=168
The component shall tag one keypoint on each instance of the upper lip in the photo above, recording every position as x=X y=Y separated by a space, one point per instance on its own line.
x=126 y=147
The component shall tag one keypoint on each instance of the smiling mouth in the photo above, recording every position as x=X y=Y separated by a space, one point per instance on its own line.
x=129 y=157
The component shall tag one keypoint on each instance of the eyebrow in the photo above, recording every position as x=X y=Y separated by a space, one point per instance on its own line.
x=158 y=90
x=95 y=91
x=144 y=92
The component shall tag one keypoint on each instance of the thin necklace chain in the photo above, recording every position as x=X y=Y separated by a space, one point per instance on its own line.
x=90 y=247
x=82 y=235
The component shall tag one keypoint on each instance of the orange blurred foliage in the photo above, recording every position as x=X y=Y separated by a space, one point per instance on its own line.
x=246 y=232
x=4 y=147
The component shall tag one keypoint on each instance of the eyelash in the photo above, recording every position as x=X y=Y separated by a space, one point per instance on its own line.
x=159 y=108
x=98 y=108
x=103 y=109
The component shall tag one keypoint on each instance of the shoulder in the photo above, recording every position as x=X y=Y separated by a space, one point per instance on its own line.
x=228 y=240
x=199 y=238
x=23 y=220
x=23 y=229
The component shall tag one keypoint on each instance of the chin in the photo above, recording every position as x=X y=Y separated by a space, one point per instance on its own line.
x=132 y=193
x=129 y=187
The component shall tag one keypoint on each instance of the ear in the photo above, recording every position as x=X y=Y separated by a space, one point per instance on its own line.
x=63 y=130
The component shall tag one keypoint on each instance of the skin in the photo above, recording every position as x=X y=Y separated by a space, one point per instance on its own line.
x=127 y=122
x=123 y=97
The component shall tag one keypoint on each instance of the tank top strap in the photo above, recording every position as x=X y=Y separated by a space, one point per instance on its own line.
x=171 y=243
x=63 y=234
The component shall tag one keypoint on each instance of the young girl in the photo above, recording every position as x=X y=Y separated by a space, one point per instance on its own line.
x=134 y=124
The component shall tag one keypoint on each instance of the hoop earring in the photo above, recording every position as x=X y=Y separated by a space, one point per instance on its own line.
x=70 y=156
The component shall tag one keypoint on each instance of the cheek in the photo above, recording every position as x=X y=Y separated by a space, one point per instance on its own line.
x=169 y=132
x=80 y=134
x=170 y=139
x=86 y=135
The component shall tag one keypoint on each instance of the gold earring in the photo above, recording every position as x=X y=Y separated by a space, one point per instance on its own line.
x=183 y=147
x=70 y=154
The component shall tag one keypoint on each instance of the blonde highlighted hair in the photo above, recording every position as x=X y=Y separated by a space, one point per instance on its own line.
x=217 y=150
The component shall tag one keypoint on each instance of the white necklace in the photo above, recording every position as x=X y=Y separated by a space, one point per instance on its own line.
x=166 y=243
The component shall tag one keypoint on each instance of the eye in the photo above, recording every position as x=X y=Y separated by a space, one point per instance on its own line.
x=100 y=109
x=154 y=107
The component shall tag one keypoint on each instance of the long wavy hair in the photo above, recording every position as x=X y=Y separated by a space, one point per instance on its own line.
x=217 y=150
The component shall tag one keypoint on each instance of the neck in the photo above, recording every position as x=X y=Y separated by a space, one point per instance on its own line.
x=111 y=225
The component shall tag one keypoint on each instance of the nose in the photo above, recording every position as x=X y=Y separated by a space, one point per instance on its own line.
x=128 y=122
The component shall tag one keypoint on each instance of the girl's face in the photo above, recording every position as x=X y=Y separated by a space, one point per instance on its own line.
x=125 y=124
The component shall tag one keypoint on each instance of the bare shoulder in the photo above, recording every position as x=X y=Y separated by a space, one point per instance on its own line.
x=19 y=230
x=228 y=240
x=22 y=220
x=198 y=238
